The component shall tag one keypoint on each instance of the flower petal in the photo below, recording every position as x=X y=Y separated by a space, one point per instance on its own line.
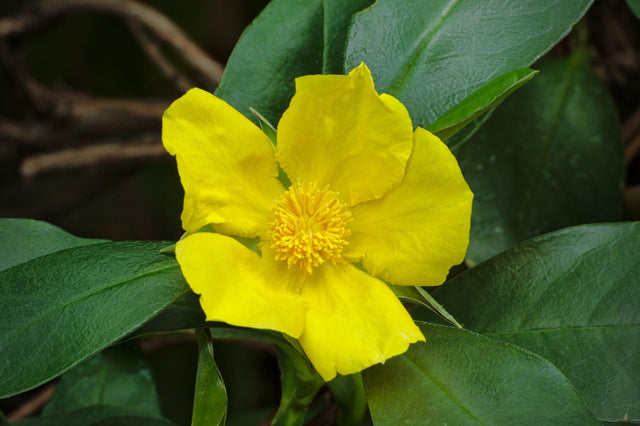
x=227 y=165
x=339 y=132
x=239 y=287
x=353 y=321
x=420 y=229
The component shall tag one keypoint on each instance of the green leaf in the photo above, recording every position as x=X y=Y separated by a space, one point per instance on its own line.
x=266 y=127
x=185 y=313
x=479 y=102
x=459 y=377
x=572 y=297
x=24 y=239
x=271 y=132
x=95 y=415
x=550 y=156
x=635 y=6
x=433 y=56
x=419 y=296
x=299 y=385
x=118 y=376
x=289 y=39
x=61 y=308
x=133 y=421
x=210 y=399
x=348 y=392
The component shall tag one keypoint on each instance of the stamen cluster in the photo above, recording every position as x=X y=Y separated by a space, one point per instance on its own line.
x=309 y=227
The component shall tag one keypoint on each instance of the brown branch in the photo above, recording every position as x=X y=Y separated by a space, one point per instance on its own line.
x=152 y=48
x=29 y=133
x=160 y=25
x=78 y=111
x=33 y=405
x=77 y=114
x=89 y=156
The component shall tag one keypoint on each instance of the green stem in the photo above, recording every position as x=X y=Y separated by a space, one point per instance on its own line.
x=300 y=384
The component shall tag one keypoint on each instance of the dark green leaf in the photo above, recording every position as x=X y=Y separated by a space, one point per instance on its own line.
x=348 y=392
x=290 y=38
x=299 y=385
x=210 y=399
x=421 y=297
x=266 y=127
x=635 y=6
x=61 y=308
x=185 y=313
x=93 y=416
x=550 y=156
x=118 y=377
x=174 y=361
x=432 y=56
x=133 y=421
x=458 y=377
x=337 y=18
x=271 y=132
x=480 y=101
x=25 y=239
x=572 y=297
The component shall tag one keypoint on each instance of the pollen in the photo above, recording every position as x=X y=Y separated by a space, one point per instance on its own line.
x=309 y=227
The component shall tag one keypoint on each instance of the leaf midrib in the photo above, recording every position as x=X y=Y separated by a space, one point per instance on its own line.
x=559 y=329
x=398 y=83
x=546 y=147
x=441 y=387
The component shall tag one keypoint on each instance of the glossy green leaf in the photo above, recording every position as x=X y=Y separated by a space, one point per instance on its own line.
x=550 y=156
x=432 y=56
x=421 y=297
x=210 y=399
x=458 y=377
x=635 y=6
x=118 y=376
x=479 y=102
x=95 y=415
x=61 y=308
x=25 y=239
x=290 y=38
x=185 y=313
x=572 y=297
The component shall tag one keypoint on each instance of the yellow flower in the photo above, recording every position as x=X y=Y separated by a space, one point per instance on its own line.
x=365 y=187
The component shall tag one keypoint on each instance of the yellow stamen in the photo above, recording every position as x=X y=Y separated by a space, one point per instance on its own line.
x=309 y=227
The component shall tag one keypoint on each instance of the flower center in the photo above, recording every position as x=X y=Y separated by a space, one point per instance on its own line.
x=309 y=227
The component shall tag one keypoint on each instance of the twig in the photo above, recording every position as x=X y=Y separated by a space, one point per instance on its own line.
x=159 y=24
x=32 y=405
x=152 y=49
x=29 y=133
x=89 y=156
x=81 y=112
